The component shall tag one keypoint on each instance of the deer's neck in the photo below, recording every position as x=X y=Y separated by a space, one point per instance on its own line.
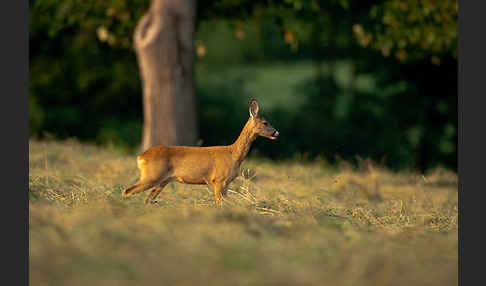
x=242 y=145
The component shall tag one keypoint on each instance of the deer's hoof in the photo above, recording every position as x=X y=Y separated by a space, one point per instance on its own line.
x=150 y=202
x=125 y=194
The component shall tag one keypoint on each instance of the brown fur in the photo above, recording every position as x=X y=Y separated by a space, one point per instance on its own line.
x=216 y=166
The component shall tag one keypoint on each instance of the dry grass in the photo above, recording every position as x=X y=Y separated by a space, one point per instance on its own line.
x=283 y=224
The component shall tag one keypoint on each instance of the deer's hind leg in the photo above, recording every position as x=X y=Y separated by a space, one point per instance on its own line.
x=140 y=186
x=155 y=192
x=149 y=177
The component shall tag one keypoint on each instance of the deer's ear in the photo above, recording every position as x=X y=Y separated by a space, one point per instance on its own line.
x=254 y=108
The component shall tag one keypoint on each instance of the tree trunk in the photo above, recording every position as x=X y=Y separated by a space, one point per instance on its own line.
x=164 y=44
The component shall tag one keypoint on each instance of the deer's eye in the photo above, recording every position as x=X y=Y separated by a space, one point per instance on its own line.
x=265 y=123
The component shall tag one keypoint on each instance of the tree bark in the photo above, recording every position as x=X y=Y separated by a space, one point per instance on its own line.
x=164 y=45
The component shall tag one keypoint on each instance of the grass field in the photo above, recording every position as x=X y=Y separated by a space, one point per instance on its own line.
x=286 y=223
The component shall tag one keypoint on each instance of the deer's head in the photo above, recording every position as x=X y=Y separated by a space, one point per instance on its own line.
x=260 y=125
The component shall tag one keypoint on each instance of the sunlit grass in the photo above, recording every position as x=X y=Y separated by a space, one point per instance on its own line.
x=287 y=223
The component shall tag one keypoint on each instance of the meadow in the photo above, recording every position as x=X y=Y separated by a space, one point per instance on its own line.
x=280 y=82
x=295 y=222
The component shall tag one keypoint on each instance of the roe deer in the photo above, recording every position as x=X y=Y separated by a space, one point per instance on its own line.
x=215 y=166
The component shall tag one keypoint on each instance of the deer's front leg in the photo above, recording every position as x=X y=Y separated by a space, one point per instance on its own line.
x=219 y=191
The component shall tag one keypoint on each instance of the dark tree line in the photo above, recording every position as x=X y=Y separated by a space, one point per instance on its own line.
x=87 y=75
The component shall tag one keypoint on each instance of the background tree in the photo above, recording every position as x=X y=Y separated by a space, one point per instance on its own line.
x=164 y=41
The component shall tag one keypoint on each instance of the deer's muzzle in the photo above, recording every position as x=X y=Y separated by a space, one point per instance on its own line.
x=275 y=134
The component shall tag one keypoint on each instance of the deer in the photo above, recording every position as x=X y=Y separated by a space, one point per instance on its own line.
x=215 y=166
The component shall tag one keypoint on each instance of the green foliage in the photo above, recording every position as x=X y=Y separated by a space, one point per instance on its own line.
x=412 y=29
x=36 y=115
x=81 y=81
x=313 y=65
x=112 y=21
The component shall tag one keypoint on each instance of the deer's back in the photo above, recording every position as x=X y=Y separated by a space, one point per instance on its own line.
x=189 y=164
